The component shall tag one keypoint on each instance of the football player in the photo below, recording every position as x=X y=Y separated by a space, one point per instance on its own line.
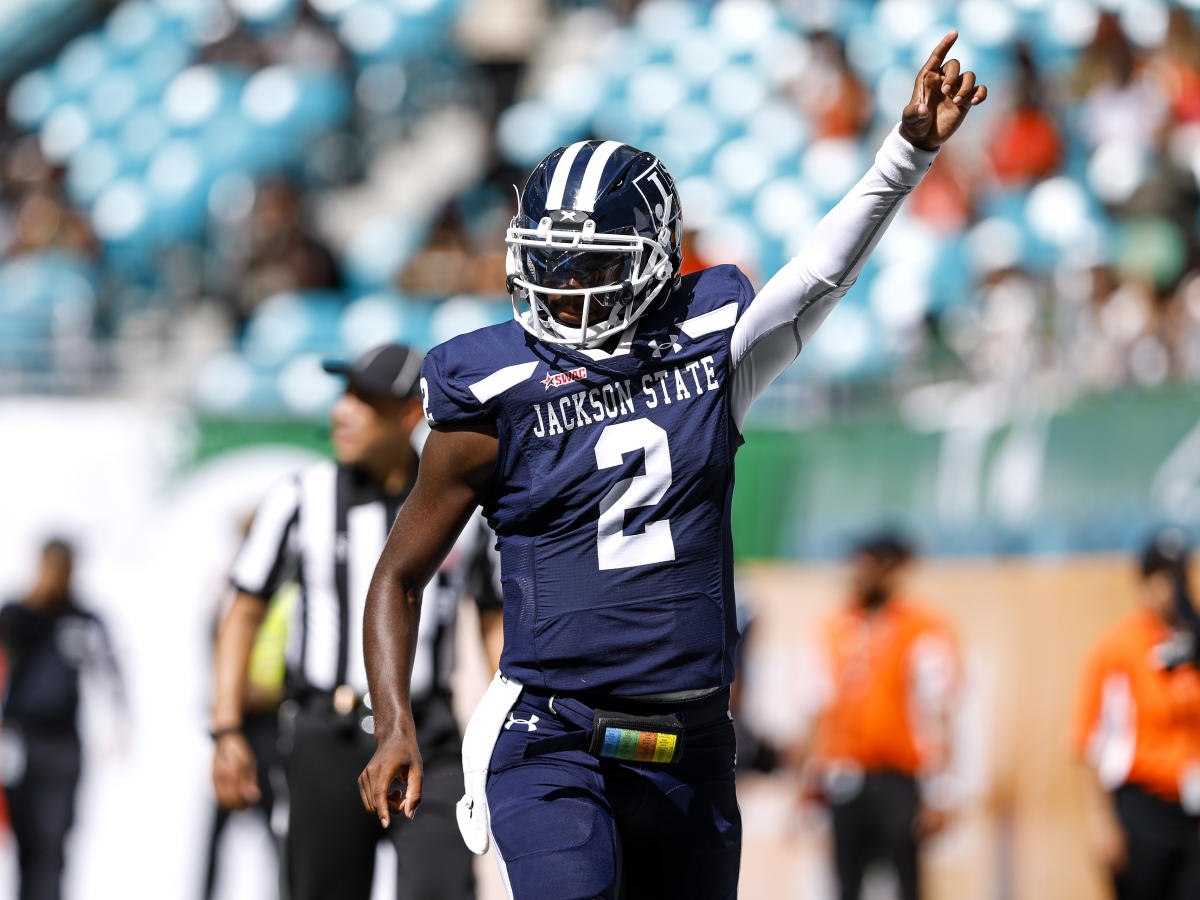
x=598 y=431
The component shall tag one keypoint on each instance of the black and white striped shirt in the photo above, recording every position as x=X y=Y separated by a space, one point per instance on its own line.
x=325 y=528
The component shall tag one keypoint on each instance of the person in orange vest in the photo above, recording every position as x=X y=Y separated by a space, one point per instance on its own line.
x=878 y=750
x=1137 y=728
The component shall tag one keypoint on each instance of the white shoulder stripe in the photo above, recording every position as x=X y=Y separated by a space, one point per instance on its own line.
x=501 y=380
x=558 y=183
x=586 y=198
x=707 y=323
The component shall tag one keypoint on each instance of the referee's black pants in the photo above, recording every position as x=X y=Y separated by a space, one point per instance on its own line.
x=879 y=822
x=1162 y=845
x=41 y=806
x=330 y=847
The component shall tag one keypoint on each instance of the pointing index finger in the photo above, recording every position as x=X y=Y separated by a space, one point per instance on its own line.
x=938 y=56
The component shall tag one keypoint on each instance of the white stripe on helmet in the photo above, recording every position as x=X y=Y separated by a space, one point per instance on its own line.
x=586 y=198
x=558 y=183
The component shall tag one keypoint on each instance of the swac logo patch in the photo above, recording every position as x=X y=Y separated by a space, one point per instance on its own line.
x=558 y=379
x=530 y=723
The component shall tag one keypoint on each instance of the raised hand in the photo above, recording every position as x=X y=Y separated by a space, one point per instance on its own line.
x=941 y=98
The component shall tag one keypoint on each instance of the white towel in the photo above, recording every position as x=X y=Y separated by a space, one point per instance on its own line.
x=478 y=741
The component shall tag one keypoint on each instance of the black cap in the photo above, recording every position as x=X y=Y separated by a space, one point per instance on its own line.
x=1166 y=551
x=886 y=545
x=391 y=369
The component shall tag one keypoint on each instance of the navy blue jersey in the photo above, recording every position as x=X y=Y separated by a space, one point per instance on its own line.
x=611 y=499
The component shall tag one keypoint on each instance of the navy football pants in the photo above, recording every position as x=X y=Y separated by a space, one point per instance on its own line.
x=568 y=826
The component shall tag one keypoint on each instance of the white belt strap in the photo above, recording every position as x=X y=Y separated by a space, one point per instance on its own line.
x=478 y=741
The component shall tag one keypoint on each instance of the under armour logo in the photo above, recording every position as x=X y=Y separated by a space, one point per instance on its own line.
x=530 y=723
x=661 y=349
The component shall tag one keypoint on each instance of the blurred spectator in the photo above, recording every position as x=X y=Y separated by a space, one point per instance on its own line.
x=51 y=641
x=1181 y=328
x=944 y=198
x=1024 y=145
x=41 y=221
x=1118 y=102
x=283 y=253
x=445 y=265
x=1000 y=339
x=1176 y=66
x=693 y=259
x=833 y=96
x=1109 y=57
x=1113 y=129
x=879 y=749
x=1119 y=315
x=301 y=40
x=1137 y=729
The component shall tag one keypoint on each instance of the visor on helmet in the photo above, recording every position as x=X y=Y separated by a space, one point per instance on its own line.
x=576 y=268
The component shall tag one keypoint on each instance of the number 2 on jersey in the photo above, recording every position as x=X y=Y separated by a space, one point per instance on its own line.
x=618 y=550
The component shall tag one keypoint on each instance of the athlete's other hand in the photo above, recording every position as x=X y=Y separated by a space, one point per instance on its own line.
x=941 y=98
x=395 y=758
x=1109 y=845
x=235 y=773
x=930 y=821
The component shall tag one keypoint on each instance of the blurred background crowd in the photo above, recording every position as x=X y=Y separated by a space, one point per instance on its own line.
x=202 y=197
x=200 y=200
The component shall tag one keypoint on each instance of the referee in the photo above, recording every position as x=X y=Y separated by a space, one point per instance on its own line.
x=325 y=528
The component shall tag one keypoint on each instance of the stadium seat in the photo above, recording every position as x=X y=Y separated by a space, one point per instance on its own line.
x=458 y=315
x=228 y=384
x=377 y=317
x=292 y=323
x=305 y=388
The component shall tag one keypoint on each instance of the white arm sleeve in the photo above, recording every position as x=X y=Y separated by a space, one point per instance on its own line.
x=259 y=562
x=786 y=312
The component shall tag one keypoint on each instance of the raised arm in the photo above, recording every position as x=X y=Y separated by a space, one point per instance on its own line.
x=790 y=307
x=454 y=471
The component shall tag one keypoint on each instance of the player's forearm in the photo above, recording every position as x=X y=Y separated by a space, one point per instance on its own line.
x=393 y=611
x=231 y=657
x=838 y=248
x=835 y=253
x=430 y=520
x=793 y=304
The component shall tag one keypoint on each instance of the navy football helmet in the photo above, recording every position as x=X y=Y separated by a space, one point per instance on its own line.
x=599 y=230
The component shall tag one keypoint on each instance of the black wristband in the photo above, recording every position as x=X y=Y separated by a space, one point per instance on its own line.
x=217 y=733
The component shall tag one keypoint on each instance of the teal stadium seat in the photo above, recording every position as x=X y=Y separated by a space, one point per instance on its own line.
x=384 y=316
x=44 y=300
x=289 y=324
